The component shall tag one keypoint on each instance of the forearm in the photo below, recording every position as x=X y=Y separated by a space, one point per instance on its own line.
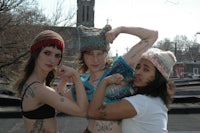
x=97 y=100
x=82 y=101
x=142 y=33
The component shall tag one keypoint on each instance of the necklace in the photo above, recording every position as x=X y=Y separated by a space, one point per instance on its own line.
x=94 y=82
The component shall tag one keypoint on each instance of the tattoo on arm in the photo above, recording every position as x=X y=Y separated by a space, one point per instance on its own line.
x=62 y=99
x=102 y=110
x=30 y=93
x=38 y=127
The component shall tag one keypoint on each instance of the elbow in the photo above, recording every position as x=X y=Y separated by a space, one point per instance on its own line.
x=83 y=112
x=155 y=35
x=92 y=114
x=152 y=38
x=80 y=111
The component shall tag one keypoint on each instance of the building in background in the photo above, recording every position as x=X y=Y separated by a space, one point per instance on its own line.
x=85 y=12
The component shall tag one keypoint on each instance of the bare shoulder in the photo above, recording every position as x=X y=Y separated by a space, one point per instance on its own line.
x=37 y=89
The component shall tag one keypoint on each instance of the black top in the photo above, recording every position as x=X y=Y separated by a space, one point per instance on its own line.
x=43 y=112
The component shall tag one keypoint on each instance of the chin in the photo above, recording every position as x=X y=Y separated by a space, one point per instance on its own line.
x=138 y=85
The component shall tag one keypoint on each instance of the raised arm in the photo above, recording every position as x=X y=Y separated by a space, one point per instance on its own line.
x=147 y=36
x=70 y=75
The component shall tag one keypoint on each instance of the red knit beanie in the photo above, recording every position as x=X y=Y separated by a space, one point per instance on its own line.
x=45 y=38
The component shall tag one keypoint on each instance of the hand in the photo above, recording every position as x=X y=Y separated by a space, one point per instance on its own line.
x=66 y=73
x=112 y=34
x=114 y=79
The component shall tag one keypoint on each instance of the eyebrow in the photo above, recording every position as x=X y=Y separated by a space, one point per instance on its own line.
x=147 y=66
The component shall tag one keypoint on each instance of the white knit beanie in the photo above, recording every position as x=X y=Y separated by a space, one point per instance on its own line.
x=162 y=60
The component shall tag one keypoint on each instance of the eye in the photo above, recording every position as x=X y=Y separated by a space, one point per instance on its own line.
x=47 y=52
x=89 y=53
x=137 y=67
x=146 y=70
x=58 y=56
x=100 y=54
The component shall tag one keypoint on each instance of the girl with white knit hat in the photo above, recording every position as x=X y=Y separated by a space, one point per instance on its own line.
x=146 y=110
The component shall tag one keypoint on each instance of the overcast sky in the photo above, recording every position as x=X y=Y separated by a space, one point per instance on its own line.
x=169 y=17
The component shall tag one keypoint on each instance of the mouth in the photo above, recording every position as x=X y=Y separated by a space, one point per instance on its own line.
x=49 y=66
x=136 y=78
x=137 y=81
x=94 y=66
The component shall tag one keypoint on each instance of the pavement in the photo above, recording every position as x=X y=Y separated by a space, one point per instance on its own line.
x=184 y=114
x=177 y=123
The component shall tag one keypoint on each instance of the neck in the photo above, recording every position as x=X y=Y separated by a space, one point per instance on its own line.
x=96 y=75
x=39 y=75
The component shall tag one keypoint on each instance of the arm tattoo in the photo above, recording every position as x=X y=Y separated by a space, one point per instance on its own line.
x=30 y=93
x=102 y=110
x=62 y=99
x=38 y=127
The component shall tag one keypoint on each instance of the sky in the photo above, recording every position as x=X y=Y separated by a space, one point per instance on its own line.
x=168 y=17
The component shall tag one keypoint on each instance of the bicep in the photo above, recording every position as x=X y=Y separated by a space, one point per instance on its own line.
x=60 y=103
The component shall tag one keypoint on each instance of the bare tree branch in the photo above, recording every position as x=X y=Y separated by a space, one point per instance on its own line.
x=64 y=19
x=8 y=5
x=15 y=60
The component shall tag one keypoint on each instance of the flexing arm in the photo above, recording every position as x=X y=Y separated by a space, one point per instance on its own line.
x=147 y=36
x=113 y=111
x=65 y=104
x=71 y=75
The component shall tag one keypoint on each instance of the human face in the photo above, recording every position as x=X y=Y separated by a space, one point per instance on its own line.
x=95 y=60
x=48 y=58
x=144 y=73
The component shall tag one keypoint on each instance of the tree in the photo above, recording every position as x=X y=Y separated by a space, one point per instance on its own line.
x=20 y=21
x=165 y=44
x=17 y=18
x=59 y=17
x=8 y=5
x=183 y=43
x=183 y=48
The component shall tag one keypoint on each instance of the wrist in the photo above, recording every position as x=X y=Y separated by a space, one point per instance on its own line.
x=76 y=76
x=61 y=86
x=104 y=83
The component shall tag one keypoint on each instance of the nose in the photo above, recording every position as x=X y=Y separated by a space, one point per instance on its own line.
x=137 y=71
x=95 y=57
x=53 y=59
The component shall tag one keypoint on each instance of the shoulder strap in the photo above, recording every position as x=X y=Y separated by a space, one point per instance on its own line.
x=26 y=90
